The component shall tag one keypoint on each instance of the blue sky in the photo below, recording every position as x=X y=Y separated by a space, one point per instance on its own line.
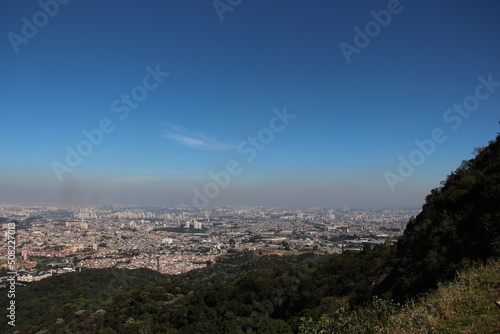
x=225 y=77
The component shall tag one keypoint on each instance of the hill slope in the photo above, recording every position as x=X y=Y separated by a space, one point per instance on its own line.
x=459 y=223
x=463 y=306
x=40 y=300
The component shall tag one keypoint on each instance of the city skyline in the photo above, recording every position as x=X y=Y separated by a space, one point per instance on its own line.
x=173 y=241
x=257 y=103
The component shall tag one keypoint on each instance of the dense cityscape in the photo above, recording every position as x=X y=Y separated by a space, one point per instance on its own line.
x=55 y=239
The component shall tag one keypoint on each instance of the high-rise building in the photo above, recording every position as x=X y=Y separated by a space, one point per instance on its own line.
x=24 y=254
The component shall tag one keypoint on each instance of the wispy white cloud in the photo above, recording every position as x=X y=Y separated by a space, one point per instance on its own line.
x=194 y=139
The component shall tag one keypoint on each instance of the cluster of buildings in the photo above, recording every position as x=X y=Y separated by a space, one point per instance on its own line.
x=174 y=240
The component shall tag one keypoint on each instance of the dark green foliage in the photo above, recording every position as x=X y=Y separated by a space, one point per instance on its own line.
x=459 y=223
x=233 y=266
x=352 y=320
x=246 y=304
x=72 y=292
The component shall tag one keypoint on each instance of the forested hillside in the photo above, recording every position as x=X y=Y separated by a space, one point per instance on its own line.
x=44 y=299
x=459 y=223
